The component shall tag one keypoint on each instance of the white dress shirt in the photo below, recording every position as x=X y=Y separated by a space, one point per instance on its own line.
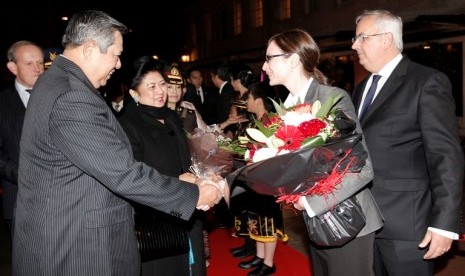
x=221 y=87
x=117 y=106
x=200 y=93
x=385 y=72
x=23 y=94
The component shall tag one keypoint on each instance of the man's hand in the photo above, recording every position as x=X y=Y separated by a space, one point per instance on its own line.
x=438 y=245
x=189 y=177
x=209 y=195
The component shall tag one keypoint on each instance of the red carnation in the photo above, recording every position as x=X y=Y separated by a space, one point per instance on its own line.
x=311 y=128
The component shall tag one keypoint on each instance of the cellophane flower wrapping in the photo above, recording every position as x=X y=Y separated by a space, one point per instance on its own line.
x=294 y=174
x=210 y=153
x=311 y=161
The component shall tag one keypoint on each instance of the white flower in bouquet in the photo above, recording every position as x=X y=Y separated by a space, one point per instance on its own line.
x=290 y=129
x=293 y=118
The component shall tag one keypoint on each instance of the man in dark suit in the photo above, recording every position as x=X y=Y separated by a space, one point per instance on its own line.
x=412 y=134
x=76 y=169
x=204 y=98
x=221 y=78
x=194 y=96
x=116 y=94
x=195 y=92
x=26 y=62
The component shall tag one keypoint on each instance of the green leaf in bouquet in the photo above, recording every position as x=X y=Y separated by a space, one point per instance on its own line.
x=240 y=150
x=234 y=147
x=241 y=140
x=314 y=141
x=279 y=107
x=267 y=132
x=328 y=105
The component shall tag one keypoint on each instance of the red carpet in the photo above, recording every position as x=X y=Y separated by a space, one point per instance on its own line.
x=288 y=261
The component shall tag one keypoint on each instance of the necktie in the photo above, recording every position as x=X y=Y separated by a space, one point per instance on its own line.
x=369 y=96
x=199 y=93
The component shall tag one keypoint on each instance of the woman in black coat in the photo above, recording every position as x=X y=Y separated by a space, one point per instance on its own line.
x=158 y=139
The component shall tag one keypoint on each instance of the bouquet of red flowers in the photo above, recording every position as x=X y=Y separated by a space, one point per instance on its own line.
x=302 y=150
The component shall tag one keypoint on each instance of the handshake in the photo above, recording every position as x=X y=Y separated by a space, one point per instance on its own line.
x=211 y=189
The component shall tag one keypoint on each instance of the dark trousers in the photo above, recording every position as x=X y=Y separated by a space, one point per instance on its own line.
x=198 y=249
x=9 y=223
x=399 y=258
x=353 y=258
x=223 y=215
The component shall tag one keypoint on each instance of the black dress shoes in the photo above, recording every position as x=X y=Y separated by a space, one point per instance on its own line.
x=243 y=252
x=246 y=250
x=235 y=250
x=262 y=270
x=252 y=263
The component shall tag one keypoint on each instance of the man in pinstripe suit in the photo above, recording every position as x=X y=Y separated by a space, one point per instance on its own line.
x=76 y=167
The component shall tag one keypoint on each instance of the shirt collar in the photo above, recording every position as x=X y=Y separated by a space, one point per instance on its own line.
x=222 y=85
x=23 y=94
x=292 y=100
x=387 y=70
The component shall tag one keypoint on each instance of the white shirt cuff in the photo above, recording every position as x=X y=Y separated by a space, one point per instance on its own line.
x=447 y=234
x=309 y=210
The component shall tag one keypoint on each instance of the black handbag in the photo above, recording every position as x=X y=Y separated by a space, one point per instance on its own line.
x=337 y=226
x=159 y=237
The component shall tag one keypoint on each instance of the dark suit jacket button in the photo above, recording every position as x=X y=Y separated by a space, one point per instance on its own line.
x=175 y=214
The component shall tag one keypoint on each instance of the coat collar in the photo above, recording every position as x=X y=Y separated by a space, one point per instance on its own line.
x=69 y=66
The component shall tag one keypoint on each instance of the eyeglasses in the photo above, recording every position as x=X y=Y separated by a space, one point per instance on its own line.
x=364 y=37
x=270 y=57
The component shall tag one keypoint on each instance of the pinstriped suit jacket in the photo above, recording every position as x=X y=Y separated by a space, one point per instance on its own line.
x=75 y=170
x=11 y=122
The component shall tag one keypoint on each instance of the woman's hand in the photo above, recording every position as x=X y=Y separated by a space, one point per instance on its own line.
x=299 y=205
x=208 y=196
x=233 y=120
x=215 y=177
x=198 y=118
x=188 y=105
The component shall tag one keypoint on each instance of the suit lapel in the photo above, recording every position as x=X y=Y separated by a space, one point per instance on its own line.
x=15 y=102
x=389 y=88
x=310 y=96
